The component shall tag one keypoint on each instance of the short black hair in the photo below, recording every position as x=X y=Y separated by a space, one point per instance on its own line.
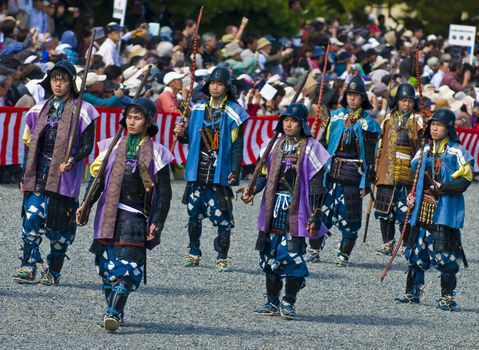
x=135 y=60
x=136 y=109
x=97 y=65
x=250 y=38
x=177 y=37
x=113 y=72
x=60 y=73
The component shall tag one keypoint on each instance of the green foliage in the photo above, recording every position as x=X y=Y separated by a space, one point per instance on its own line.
x=274 y=16
x=344 y=10
x=437 y=15
x=265 y=16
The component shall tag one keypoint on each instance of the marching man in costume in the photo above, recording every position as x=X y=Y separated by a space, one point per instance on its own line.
x=50 y=185
x=290 y=209
x=438 y=210
x=399 y=143
x=351 y=139
x=215 y=137
x=134 y=200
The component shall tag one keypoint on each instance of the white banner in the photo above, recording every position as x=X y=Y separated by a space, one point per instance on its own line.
x=119 y=9
x=462 y=35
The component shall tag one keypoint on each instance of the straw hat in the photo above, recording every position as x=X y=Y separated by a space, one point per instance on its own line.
x=137 y=50
x=379 y=62
x=390 y=38
x=262 y=43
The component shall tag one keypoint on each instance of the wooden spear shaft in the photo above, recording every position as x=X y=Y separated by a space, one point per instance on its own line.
x=192 y=79
x=320 y=97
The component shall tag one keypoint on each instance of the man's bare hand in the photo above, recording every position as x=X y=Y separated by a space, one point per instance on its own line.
x=79 y=213
x=66 y=167
x=246 y=197
x=151 y=235
x=311 y=227
x=179 y=129
x=411 y=200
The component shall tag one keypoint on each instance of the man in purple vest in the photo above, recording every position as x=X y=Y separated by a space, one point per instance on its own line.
x=50 y=185
x=290 y=209
x=134 y=200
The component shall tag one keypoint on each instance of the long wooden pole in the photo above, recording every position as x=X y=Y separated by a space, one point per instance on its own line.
x=192 y=79
x=76 y=116
x=317 y=118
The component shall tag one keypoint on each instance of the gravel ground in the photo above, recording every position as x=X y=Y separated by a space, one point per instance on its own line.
x=341 y=308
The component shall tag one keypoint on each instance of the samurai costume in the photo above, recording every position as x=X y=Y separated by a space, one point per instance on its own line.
x=438 y=213
x=215 y=138
x=398 y=144
x=292 y=199
x=135 y=193
x=351 y=140
x=50 y=196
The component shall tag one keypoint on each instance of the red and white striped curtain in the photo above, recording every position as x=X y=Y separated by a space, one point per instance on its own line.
x=257 y=131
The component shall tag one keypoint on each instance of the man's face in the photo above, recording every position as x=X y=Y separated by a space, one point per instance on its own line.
x=115 y=36
x=405 y=104
x=97 y=87
x=267 y=49
x=291 y=127
x=136 y=123
x=354 y=100
x=183 y=43
x=18 y=74
x=117 y=80
x=438 y=130
x=211 y=43
x=38 y=4
x=61 y=86
x=100 y=71
x=277 y=99
x=50 y=10
x=190 y=30
x=5 y=87
x=176 y=85
x=217 y=89
x=334 y=48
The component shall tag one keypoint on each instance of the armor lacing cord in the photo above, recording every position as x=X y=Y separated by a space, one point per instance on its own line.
x=281 y=202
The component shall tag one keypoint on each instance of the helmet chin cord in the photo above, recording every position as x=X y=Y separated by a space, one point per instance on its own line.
x=218 y=102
